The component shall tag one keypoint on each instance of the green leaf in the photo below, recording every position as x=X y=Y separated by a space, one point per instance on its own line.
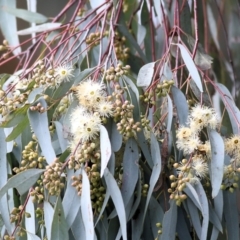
x=14 y=117
x=233 y=111
x=18 y=129
x=205 y=209
x=217 y=161
x=83 y=75
x=191 y=66
x=4 y=201
x=213 y=218
x=156 y=170
x=62 y=141
x=170 y=114
x=30 y=223
x=231 y=215
x=182 y=229
x=39 y=123
x=34 y=94
x=59 y=229
x=145 y=75
x=117 y=200
x=105 y=147
x=48 y=217
x=181 y=105
x=86 y=207
x=22 y=181
x=192 y=194
x=39 y=28
x=3 y=78
x=116 y=138
x=130 y=170
x=169 y=222
x=26 y=15
x=8 y=25
x=78 y=229
x=194 y=216
x=70 y=212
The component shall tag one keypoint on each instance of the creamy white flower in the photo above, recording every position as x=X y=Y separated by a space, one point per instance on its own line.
x=200 y=167
x=63 y=73
x=90 y=93
x=188 y=145
x=105 y=109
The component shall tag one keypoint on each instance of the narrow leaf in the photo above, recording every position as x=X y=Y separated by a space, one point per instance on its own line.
x=217 y=161
x=105 y=147
x=26 y=15
x=62 y=141
x=39 y=28
x=48 y=217
x=191 y=66
x=117 y=200
x=170 y=222
x=130 y=170
x=116 y=138
x=22 y=181
x=86 y=207
x=59 y=229
x=145 y=75
x=39 y=123
x=170 y=114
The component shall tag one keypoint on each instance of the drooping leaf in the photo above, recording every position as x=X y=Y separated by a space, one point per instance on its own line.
x=77 y=227
x=59 y=228
x=62 y=141
x=83 y=75
x=191 y=66
x=39 y=124
x=217 y=161
x=116 y=138
x=214 y=219
x=117 y=200
x=86 y=207
x=39 y=28
x=170 y=114
x=70 y=212
x=30 y=222
x=105 y=147
x=26 y=15
x=205 y=209
x=145 y=75
x=34 y=94
x=169 y=222
x=233 y=111
x=181 y=105
x=8 y=25
x=18 y=129
x=183 y=228
x=194 y=214
x=48 y=217
x=22 y=181
x=130 y=170
x=156 y=170
x=231 y=215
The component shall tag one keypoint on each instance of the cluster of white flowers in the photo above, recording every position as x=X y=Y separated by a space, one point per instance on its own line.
x=188 y=140
x=188 y=137
x=93 y=107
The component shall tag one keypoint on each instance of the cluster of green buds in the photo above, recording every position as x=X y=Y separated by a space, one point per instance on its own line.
x=89 y=151
x=145 y=189
x=177 y=186
x=53 y=179
x=17 y=214
x=7 y=237
x=230 y=178
x=114 y=73
x=163 y=88
x=37 y=192
x=97 y=190
x=159 y=226
x=30 y=158
x=38 y=108
x=121 y=51
x=63 y=106
x=94 y=38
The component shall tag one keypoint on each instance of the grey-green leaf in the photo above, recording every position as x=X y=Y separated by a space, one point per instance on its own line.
x=170 y=222
x=191 y=66
x=22 y=181
x=145 y=75
x=59 y=228
x=130 y=170
x=217 y=161
x=117 y=200
x=26 y=15
x=39 y=123
x=86 y=207
x=48 y=217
